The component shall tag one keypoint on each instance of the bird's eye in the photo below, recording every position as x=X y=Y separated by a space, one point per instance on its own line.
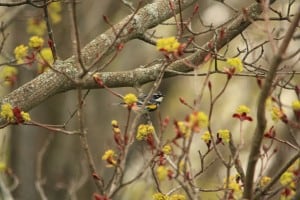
x=157 y=96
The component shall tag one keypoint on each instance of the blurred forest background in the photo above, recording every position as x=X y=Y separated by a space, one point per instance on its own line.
x=58 y=160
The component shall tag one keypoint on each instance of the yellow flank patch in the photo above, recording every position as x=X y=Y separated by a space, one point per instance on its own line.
x=151 y=107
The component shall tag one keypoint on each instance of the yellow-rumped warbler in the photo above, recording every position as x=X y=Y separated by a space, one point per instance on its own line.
x=152 y=104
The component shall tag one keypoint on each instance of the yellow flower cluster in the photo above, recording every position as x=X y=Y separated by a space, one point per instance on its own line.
x=169 y=44
x=177 y=197
x=36 y=26
x=224 y=134
x=108 y=154
x=42 y=56
x=8 y=71
x=54 y=10
x=20 y=52
x=243 y=109
x=161 y=172
x=110 y=157
x=8 y=75
x=287 y=179
x=276 y=113
x=8 y=114
x=184 y=128
x=167 y=149
x=264 y=181
x=193 y=124
x=206 y=137
x=36 y=42
x=296 y=105
x=143 y=131
x=199 y=119
x=45 y=59
x=160 y=196
x=235 y=63
x=235 y=186
x=130 y=99
x=25 y=116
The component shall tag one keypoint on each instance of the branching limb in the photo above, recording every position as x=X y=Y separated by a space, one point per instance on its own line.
x=261 y=115
x=50 y=83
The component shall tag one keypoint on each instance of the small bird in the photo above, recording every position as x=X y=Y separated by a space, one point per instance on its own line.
x=152 y=104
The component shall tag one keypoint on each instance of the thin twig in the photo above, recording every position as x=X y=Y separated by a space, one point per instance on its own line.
x=39 y=166
x=75 y=36
x=85 y=146
x=50 y=32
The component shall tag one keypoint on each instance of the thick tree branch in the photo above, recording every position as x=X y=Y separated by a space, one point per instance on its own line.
x=50 y=83
x=140 y=76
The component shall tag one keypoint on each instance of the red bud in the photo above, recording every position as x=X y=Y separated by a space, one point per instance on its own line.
x=196 y=9
x=96 y=176
x=171 y=5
